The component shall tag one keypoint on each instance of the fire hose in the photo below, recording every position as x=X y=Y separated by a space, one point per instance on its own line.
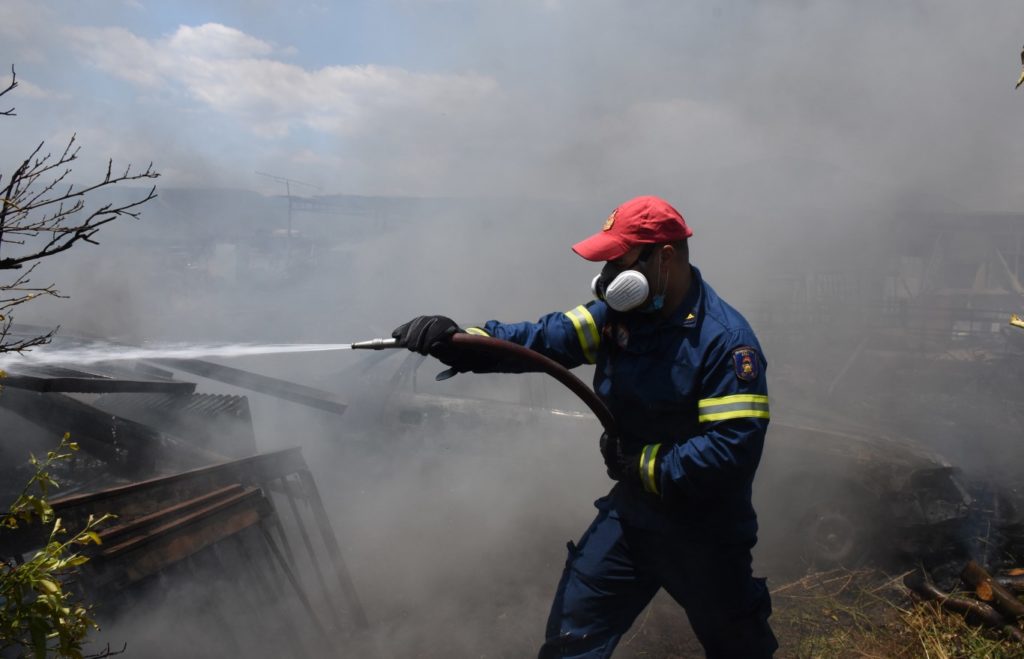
x=536 y=361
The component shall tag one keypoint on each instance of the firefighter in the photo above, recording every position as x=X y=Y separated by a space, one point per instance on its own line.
x=684 y=376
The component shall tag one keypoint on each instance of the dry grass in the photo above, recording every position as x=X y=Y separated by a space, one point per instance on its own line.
x=867 y=614
x=942 y=635
x=863 y=614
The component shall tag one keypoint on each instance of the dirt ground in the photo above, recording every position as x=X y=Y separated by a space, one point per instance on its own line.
x=839 y=613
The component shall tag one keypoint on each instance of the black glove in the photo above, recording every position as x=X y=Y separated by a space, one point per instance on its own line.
x=643 y=468
x=431 y=335
x=426 y=335
x=619 y=465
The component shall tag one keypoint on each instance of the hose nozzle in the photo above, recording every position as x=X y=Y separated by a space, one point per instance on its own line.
x=375 y=344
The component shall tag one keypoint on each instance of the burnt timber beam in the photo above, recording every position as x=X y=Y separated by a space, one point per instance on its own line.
x=128 y=446
x=276 y=387
x=147 y=552
x=94 y=384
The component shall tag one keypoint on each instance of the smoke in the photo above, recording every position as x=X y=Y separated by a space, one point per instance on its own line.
x=793 y=136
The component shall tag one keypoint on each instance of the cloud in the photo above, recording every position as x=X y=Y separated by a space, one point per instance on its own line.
x=26 y=30
x=121 y=53
x=244 y=77
x=216 y=41
x=29 y=90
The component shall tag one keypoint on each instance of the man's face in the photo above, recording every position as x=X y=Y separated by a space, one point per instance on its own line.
x=662 y=265
x=628 y=259
x=654 y=261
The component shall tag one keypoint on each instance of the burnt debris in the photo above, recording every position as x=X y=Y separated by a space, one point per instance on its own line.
x=229 y=535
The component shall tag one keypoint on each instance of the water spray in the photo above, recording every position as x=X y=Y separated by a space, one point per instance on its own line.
x=498 y=347
x=95 y=355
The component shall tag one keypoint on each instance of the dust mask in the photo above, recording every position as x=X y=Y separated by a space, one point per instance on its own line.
x=626 y=290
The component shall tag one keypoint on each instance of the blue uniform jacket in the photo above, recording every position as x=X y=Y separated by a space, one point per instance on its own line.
x=694 y=383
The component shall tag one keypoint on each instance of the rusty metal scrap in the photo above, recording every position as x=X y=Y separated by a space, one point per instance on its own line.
x=216 y=422
x=168 y=520
x=227 y=521
x=145 y=546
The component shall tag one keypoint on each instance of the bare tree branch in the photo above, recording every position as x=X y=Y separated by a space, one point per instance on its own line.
x=10 y=87
x=42 y=215
x=107 y=652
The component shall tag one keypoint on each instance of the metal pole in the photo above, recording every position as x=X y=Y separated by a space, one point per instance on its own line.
x=288 y=240
x=309 y=546
x=301 y=594
x=333 y=550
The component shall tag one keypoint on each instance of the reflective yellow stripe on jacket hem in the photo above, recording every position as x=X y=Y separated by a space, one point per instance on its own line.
x=736 y=406
x=586 y=332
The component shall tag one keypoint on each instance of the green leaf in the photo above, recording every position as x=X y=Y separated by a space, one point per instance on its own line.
x=48 y=586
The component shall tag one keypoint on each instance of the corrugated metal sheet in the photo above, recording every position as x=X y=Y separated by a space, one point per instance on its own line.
x=218 y=422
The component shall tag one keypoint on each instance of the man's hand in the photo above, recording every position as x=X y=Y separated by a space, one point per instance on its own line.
x=431 y=335
x=620 y=466
x=643 y=467
x=427 y=335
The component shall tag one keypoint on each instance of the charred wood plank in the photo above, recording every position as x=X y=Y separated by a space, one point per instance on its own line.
x=978 y=613
x=80 y=382
x=127 y=446
x=987 y=589
x=276 y=387
x=1012 y=582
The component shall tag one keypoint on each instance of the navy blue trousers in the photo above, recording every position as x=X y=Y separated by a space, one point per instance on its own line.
x=615 y=570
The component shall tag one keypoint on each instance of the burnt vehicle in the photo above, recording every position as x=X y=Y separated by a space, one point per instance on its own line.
x=844 y=493
x=830 y=490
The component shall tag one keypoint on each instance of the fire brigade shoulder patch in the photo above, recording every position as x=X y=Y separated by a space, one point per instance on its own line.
x=744 y=360
x=610 y=222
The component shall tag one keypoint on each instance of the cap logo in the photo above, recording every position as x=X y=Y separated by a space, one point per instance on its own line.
x=610 y=222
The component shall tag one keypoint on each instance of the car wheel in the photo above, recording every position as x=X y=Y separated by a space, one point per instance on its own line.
x=836 y=532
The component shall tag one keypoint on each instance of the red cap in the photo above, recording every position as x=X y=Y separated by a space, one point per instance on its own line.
x=639 y=221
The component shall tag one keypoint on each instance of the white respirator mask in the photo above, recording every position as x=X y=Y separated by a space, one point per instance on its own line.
x=627 y=289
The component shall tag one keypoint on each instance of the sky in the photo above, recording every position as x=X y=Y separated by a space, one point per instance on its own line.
x=566 y=99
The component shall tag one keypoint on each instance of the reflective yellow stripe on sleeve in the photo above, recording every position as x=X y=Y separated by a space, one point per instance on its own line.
x=586 y=332
x=477 y=331
x=648 y=473
x=737 y=406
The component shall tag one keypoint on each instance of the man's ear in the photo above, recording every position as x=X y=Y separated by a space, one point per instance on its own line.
x=668 y=253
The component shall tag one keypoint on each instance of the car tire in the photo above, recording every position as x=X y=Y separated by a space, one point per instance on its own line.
x=836 y=530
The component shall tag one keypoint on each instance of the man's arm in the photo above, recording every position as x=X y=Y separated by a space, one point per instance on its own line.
x=570 y=338
x=733 y=414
